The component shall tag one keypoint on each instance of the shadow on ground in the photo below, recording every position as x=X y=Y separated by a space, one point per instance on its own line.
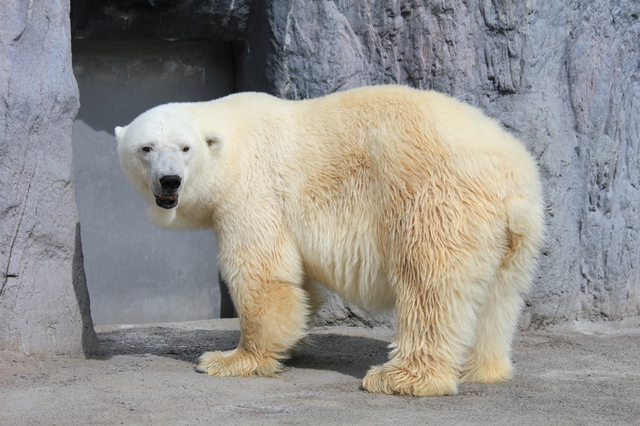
x=350 y=355
x=183 y=345
x=345 y=354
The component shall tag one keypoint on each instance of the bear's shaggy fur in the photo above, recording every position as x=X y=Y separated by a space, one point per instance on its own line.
x=389 y=196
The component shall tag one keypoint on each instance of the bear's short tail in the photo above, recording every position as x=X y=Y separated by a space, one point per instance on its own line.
x=525 y=232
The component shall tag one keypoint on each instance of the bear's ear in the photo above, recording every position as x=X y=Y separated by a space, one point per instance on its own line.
x=213 y=138
x=119 y=131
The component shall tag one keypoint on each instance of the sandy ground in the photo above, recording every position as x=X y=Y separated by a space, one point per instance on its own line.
x=582 y=374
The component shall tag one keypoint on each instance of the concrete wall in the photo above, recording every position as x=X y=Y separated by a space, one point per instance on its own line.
x=136 y=272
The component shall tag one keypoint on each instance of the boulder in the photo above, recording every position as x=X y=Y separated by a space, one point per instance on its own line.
x=44 y=304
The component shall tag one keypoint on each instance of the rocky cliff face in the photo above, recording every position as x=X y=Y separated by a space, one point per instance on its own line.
x=563 y=76
x=44 y=305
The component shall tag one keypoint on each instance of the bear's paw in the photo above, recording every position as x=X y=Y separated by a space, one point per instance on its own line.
x=494 y=371
x=394 y=380
x=237 y=363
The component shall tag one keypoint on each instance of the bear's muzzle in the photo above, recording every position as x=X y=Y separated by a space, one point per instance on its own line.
x=169 y=197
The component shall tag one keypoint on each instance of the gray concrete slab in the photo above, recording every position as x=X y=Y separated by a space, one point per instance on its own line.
x=585 y=373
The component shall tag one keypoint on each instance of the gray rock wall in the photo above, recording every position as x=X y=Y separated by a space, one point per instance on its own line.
x=563 y=76
x=44 y=305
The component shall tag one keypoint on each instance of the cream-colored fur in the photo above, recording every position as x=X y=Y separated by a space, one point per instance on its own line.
x=390 y=196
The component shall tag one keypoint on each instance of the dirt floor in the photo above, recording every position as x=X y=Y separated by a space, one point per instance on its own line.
x=580 y=374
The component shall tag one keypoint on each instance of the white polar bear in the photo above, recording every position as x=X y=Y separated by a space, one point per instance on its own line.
x=389 y=196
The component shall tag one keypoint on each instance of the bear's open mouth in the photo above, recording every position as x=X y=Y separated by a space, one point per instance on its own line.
x=167 y=201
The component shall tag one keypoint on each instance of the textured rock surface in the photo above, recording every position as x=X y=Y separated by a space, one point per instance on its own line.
x=44 y=306
x=563 y=76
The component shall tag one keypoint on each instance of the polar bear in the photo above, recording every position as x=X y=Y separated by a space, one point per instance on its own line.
x=390 y=196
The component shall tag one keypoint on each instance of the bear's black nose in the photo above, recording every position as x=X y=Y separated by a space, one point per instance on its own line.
x=171 y=182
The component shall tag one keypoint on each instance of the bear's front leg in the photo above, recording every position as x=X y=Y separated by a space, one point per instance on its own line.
x=272 y=319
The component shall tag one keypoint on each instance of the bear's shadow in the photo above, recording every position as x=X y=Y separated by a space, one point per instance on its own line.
x=351 y=355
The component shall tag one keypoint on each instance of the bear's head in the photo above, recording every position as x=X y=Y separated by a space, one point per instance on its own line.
x=160 y=151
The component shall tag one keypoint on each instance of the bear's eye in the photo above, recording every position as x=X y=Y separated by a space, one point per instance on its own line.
x=146 y=148
x=185 y=149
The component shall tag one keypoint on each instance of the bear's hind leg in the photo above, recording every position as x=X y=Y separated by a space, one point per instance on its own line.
x=315 y=299
x=489 y=361
x=272 y=319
